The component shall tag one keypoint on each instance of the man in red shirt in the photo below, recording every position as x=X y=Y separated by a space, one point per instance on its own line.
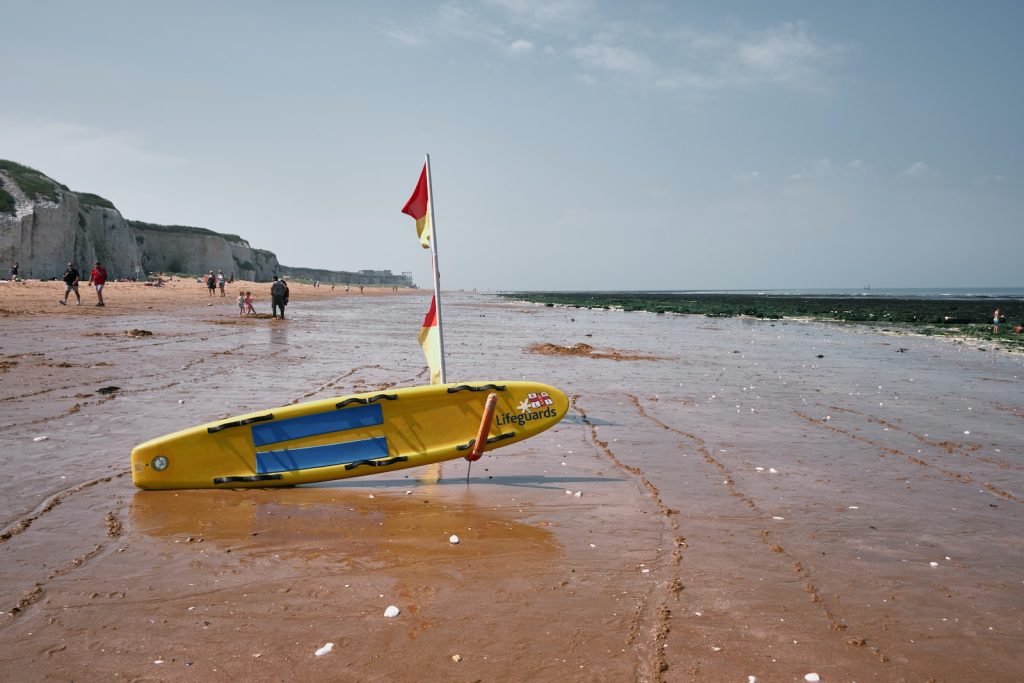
x=98 y=278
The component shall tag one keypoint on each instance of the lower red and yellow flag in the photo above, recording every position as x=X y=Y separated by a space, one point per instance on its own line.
x=430 y=340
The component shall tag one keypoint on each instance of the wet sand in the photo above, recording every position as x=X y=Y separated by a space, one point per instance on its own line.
x=755 y=499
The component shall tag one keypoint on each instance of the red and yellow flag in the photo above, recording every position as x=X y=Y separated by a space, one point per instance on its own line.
x=418 y=207
x=430 y=340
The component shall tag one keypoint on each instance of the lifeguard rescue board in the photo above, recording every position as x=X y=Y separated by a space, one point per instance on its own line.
x=347 y=436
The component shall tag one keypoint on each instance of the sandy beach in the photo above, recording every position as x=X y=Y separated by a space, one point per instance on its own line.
x=729 y=498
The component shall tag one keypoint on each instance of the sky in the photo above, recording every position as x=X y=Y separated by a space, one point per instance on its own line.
x=574 y=144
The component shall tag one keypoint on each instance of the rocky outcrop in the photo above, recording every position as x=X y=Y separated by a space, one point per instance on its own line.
x=43 y=225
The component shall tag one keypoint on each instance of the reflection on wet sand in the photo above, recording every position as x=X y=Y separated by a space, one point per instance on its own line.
x=353 y=529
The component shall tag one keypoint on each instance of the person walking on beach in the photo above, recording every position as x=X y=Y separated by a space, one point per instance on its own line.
x=241 y=303
x=71 y=282
x=211 y=283
x=14 y=271
x=997 y=319
x=249 y=310
x=220 y=281
x=277 y=296
x=98 y=277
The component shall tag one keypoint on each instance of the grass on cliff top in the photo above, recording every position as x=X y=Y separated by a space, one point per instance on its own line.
x=34 y=184
x=6 y=200
x=89 y=199
x=186 y=230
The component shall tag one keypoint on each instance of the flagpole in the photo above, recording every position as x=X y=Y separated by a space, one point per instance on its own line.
x=434 y=268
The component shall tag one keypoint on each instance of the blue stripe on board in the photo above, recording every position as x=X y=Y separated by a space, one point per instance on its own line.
x=319 y=423
x=292 y=459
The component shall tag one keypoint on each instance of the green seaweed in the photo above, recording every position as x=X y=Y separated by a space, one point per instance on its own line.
x=968 y=317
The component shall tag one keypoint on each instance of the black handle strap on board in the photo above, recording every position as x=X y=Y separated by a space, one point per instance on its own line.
x=376 y=463
x=255 y=477
x=494 y=439
x=240 y=423
x=483 y=387
x=365 y=401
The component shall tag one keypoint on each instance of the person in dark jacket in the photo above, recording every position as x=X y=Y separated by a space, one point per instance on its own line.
x=278 y=296
x=71 y=283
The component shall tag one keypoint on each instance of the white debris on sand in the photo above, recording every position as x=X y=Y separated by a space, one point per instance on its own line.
x=453 y=539
x=812 y=678
x=324 y=650
x=44 y=438
x=392 y=612
x=456 y=658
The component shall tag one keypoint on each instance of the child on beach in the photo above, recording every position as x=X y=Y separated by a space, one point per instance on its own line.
x=241 y=303
x=248 y=304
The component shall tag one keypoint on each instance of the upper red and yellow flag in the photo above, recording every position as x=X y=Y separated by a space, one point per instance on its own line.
x=418 y=207
x=430 y=340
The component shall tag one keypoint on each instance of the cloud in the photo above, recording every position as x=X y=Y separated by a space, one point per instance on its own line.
x=542 y=14
x=661 y=57
x=402 y=37
x=918 y=169
x=785 y=53
x=612 y=57
x=520 y=46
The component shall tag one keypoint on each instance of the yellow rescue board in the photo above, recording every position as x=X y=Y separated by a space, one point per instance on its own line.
x=348 y=436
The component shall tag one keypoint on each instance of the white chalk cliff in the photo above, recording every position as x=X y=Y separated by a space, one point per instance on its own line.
x=43 y=225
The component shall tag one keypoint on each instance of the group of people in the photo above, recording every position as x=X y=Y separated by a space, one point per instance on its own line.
x=215 y=282
x=278 y=299
x=999 y=318
x=97 y=278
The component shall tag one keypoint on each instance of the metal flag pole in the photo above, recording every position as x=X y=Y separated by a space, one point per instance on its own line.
x=436 y=272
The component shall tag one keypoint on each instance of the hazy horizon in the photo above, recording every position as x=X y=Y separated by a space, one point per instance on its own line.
x=575 y=145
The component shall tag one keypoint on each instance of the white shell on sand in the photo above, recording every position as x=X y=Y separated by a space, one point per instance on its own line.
x=44 y=438
x=453 y=539
x=456 y=658
x=324 y=650
x=812 y=678
x=391 y=612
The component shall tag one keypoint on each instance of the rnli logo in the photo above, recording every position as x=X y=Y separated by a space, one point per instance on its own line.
x=535 y=401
